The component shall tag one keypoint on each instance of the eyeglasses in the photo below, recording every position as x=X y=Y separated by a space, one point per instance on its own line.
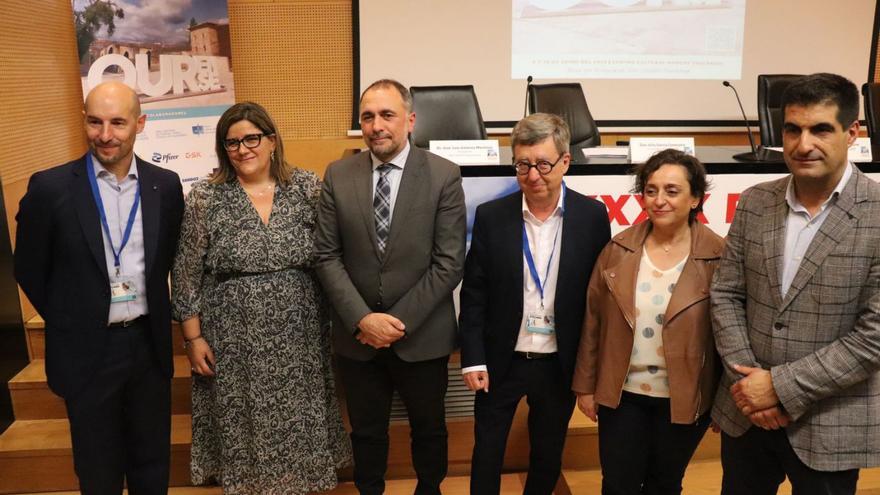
x=250 y=141
x=544 y=167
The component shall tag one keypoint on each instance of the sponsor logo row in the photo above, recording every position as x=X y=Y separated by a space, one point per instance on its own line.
x=164 y=158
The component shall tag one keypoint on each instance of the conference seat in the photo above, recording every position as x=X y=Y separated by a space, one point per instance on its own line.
x=770 y=114
x=568 y=101
x=446 y=112
x=871 y=92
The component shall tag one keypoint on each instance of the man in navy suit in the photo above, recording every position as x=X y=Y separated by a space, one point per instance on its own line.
x=522 y=305
x=95 y=241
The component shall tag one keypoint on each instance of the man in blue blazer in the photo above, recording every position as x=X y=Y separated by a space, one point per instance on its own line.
x=522 y=305
x=94 y=245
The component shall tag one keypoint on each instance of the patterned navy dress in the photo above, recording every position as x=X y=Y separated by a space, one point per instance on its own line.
x=269 y=421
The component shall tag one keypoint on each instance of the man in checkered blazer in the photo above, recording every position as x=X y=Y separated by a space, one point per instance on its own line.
x=796 y=310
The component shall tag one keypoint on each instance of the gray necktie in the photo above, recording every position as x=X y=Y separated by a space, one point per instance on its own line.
x=382 y=206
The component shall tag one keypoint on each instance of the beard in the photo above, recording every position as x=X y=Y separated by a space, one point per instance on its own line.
x=118 y=153
x=385 y=150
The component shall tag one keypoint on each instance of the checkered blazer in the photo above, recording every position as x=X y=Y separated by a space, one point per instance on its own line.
x=822 y=341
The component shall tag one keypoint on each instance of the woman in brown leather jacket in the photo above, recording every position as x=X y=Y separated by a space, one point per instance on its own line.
x=646 y=368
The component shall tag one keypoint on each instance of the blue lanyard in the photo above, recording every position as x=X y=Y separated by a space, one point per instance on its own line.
x=93 y=182
x=527 y=251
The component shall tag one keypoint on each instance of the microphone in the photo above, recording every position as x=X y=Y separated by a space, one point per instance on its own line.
x=526 y=109
x=758 y=154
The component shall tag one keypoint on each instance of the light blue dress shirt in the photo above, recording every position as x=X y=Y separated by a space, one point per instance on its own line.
x=801 y=228
x=118 y=198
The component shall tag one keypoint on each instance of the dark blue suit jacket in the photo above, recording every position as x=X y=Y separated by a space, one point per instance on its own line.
x=492 y=290
x=60 y=265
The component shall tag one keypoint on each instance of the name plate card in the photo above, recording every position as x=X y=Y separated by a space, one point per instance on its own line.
x=642 y=148
x=860 y=151
x=606 y=152
x=468 y=152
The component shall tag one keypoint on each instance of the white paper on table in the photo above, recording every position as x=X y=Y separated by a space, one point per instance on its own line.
x=467 y=152
x=606 y=152
x=642 y=148
x=860 y=151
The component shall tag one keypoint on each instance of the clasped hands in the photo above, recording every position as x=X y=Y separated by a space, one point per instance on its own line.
x=756 y=398
x=380 y=330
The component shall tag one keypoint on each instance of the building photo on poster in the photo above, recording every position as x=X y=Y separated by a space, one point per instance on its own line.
x=176 y=55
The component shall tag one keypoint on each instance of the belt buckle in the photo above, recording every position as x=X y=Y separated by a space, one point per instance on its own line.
x=530 y=355
x=128 y=323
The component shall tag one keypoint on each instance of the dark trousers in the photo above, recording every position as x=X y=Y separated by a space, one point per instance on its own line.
x=422 y=388
x=756 y=462
x=550 y=406
x=641 y=450
x=120 y=423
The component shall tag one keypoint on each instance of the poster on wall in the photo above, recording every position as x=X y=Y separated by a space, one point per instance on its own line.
x=176 y=55
x=625 y=208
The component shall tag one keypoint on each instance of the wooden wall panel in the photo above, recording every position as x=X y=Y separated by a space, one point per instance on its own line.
x=294 y=57
x=316 y=154
x=40 y=96
x=875 y=77
x=40 y=90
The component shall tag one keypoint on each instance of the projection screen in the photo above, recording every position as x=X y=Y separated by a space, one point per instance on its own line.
x=640 y=62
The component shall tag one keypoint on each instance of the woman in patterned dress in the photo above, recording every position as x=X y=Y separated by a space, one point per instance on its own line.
x=265 y=418
x=647 y=368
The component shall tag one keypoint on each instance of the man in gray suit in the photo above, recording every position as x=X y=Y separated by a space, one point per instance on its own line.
x=390 y=250
x=796 y=310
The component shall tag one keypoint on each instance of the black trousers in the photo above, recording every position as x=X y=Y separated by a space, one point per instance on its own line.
x=641 y=450
x=550 y=406
x=368 y=389
x=756 y=462
x=120 y=424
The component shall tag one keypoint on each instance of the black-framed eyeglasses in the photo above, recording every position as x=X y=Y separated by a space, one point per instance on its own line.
x=250 y=141
x=544 y=167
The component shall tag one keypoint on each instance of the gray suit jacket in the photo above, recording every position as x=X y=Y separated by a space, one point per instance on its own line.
x=423 y=260
x=822 y=341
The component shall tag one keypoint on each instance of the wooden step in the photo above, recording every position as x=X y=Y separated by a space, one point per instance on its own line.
x=31 y=448
x=36 y=455
x=582 y=444
x=35 y=405
x=511 y=484
x=704 y=478
x=701 y=478
x=183 y=490
x=32 y=398
x=36 y=335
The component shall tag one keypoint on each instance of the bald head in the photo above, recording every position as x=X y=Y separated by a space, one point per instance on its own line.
x=116 y=92
x=112 y=121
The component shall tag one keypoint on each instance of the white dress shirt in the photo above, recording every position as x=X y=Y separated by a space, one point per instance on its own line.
x=394 y=175
x=545 y=243
x=118 y=198
x=801 y=228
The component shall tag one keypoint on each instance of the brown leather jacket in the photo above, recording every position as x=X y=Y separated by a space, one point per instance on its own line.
x=607 y=334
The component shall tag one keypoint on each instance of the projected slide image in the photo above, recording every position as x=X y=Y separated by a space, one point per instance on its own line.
x=627 y=39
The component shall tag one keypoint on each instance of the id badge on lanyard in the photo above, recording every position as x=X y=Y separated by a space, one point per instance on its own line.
x=539 y=320
x=122 y=287
x=123 y=291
